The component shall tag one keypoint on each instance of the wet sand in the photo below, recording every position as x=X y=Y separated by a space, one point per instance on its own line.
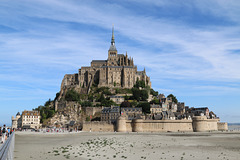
x=137 y=146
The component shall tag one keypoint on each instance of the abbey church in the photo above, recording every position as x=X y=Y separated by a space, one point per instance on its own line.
x=117 y=71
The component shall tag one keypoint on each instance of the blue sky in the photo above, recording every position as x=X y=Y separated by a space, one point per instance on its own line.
x=189 y=48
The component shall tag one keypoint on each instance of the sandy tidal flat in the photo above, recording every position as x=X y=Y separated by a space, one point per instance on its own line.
x=137 y=146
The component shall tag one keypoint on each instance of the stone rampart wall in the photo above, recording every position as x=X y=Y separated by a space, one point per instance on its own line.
x=212 y=124
x=198 y=124
x=98 y=127
x=139 y=125
x=129 y=127
x=222 y=126
x=202 y=124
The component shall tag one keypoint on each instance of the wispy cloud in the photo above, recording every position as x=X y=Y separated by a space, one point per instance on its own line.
x=179 y=43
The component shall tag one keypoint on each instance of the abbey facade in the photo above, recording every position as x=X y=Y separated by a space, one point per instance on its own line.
x=117 y=71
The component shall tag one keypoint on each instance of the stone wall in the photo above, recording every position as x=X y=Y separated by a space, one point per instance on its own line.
x=140 y=125
x=202 y=124
x=67 y=112
x=212 y=124
x=92 y=110
x=59 y=106
x=98 y=127
x=222 y=126
x=198 y=124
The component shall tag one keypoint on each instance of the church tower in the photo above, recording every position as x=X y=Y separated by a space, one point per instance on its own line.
x=112 y=52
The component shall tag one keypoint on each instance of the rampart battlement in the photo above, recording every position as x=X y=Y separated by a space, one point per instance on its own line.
x=197 y=124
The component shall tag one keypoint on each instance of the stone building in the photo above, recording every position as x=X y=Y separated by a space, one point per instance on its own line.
x=31 y=119
x=155 y=108
x=110 y=114
x=17 y=121
x=28 y=119
x=131 y=112
x=199 y=111
x=117 y=99
x=181 y=107
x=167 y=104
x=117 y=71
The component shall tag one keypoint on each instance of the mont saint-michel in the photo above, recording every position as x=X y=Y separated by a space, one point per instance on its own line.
x=117 y=71
x=162 y=83
x=112 y=95
x=109 y=111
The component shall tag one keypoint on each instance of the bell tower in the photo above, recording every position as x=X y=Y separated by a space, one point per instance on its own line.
x=112 y=52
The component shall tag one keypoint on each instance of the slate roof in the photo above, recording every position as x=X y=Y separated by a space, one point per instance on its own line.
x=112 y=48
x=116 y=96
x=115 y=109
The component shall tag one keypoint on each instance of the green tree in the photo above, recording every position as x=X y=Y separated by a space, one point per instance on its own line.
x=136 y=94
x=144 y=95
x=145 y=107
x=107 y=103
x=126 y=104
x=117 y=90
x=139 y=84
x=57 y=95
x=48 y=102
x=101 y=98
x=72 y=95
x=154 y=93
x=50 y=113
x=174 y=98
x=126 y=97
x=86 y=104
x=46 y=111
x=155 y=101
x=90 y=97
x=134 y=103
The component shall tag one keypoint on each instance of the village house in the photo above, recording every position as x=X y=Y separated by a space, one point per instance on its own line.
x=131 y=112
x=117 y=99
x=28 y=120
x=110 y=114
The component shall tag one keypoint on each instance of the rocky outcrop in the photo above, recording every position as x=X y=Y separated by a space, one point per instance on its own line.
x=67 y=112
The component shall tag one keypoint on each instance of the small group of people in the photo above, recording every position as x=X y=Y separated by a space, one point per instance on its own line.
x=5 y=133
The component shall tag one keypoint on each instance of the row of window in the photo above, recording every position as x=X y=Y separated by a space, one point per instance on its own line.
x=31 y=119
x=30 y=116
x=30 y=123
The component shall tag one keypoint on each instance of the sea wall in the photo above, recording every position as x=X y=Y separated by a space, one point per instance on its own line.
x=197 y=124
x=222 y=126
x=202 y=124
x=140 y=125
x=97 y=126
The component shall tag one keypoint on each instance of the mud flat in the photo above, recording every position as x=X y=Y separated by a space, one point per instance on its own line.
x=139 y=146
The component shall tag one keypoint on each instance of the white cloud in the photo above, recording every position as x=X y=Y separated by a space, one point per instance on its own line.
x=45 y=40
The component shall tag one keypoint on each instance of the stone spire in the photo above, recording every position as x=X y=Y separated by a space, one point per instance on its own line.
x=113 y=40
x=112 y=47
